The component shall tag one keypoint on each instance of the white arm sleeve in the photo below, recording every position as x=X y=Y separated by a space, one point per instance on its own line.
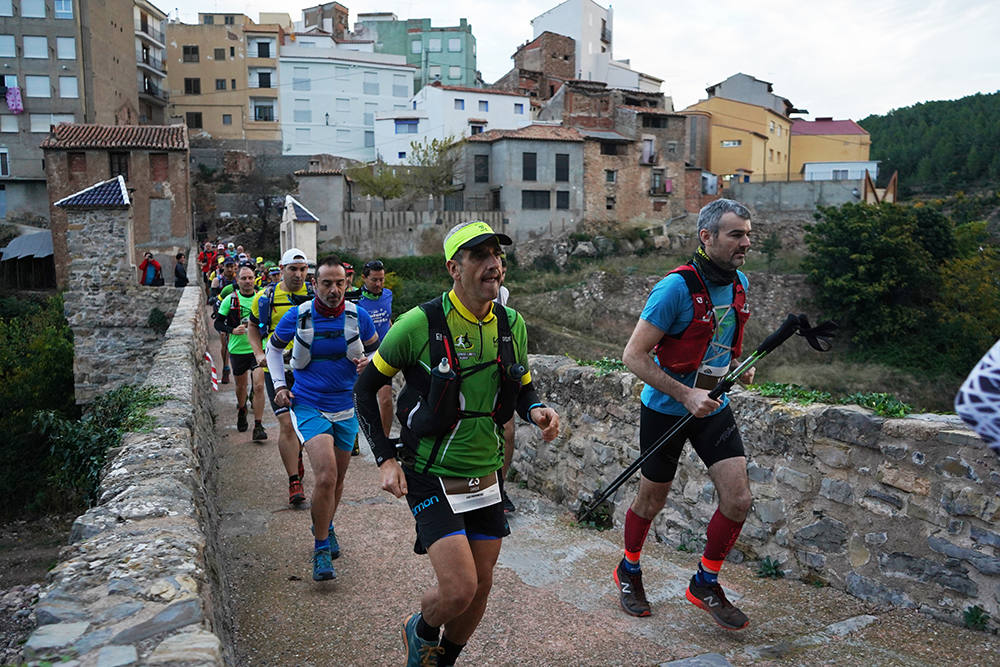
x=276 y=366
x=978 y=399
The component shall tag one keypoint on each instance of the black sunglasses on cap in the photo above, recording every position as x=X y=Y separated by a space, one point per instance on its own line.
x=374 y=265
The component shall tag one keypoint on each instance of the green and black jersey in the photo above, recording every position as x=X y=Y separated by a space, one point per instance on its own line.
x=475 y=446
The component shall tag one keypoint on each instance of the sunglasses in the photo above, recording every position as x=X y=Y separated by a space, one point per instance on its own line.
x=374 y=265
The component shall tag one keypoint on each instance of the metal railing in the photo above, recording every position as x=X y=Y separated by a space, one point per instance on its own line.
x=146 y=29
x=146 y=59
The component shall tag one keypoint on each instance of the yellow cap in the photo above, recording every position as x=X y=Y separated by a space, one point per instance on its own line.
x=469 y=235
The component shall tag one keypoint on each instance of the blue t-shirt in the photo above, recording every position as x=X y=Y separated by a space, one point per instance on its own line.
x=380 y=309
x=669 y=309
x=325 y=384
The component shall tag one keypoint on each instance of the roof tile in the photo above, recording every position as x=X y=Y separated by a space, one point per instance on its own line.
x=826 y=126
x=537 y=132
x=107 y=194
x=78 y=135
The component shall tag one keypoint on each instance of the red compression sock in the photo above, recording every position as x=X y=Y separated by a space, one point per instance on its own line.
x=636 y=529
x=722 y=533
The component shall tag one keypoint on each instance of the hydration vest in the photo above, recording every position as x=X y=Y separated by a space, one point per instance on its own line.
x=683 y=353
x=265 y=305
x=305 y=336
x=422 y=414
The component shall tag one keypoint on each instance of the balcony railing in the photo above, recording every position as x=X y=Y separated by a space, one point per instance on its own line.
x=153 y=90
x=146 y=59
x=146 y=29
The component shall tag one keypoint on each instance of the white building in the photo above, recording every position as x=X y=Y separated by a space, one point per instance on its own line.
x=839 y=171
x=330 y=96
x=591 y=26
x=440 y=111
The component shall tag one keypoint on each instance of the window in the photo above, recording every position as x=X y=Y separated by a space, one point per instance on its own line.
x=192 y=87
x=232 y=84
x=434 y=45
x=770 y=127
x=779 y=130
x=609 y=203
x=459 y=104
x=770 y=155
x=119 y=164
x=476 y=129
x=37 y=86
x=36 y=47
x=562 y=199
x=227 y=119
x=562 y=167
x=779 y=156
x=481 y=168
x=529 y=167
x=302 y=113
x=609 y=148
x=657 y=184
x=219 y=54
x=220 y=84
x=415 y=47
x=518 y=109
x=232 y=51
x=454 y=44
x=263 y=49
x=302 y=135
x=840 y=174
x=370 y=113
x=434 y=71
x=8 y=123
x=653 y=121
x=34 y=9
x=158 y=163
x=343 y=136
x=535 y=199
x=68 y=87
x=209 y=20
x=263 y=79
x=401 y=155
x=229 y=20
x=190 y=53
x=264 y=113
x=64 y=9
x=369 y=139
x=77 y=162
x=484 y=105
x=343 y=105
x=193 y=119
x=399 y=87
x=610 y=176
x=672 y=147
x=454 y=72
x=300 y=78
x=4 y=163
x=371 y=86
x=406 y=125
x=7 y=46
x=731 y=143
x=40 y=122
x=66 y=48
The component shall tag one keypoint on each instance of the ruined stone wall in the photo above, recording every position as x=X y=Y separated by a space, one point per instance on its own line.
x=139 y=582
x=899 y=512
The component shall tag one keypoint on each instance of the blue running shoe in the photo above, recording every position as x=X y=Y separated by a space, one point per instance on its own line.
x=323 y=566
x=334 y=546
x=419 y=653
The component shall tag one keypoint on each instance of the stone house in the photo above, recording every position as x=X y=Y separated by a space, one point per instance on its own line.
x=534 y=174
x=633 y=154
x=152 y=159
x=541 y=66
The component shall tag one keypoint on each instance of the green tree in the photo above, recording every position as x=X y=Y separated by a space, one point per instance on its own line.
x=968 y=307
x=770 y=247
x=378 y=180
x=434 y=162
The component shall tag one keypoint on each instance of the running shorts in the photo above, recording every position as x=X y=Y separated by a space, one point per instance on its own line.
x=309 y=422
x=714 y=438
x=241 y=363
x=269 y=385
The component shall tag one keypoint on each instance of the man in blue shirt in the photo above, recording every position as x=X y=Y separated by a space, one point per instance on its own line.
x=376 y=298
x=693 y=321
x=336 y=334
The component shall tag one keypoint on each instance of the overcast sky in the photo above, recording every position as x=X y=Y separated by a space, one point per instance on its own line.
x=844 y=58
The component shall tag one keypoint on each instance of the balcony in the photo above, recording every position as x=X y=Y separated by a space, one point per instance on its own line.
x=606 y=35
x=152 y=62
x=149 y=31
x=649 y=158
x=152 y=90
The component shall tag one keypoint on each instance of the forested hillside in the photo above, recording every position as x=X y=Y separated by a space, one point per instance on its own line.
x=939 y=147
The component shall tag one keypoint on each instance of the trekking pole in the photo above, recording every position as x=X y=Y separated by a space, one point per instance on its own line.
x=816 y=336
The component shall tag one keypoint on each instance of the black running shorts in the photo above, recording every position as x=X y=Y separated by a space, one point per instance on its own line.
x=289 y=381
x=436 y=520
x=714 y=438
x=241 y=363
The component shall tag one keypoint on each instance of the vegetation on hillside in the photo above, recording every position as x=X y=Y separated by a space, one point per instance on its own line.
x=939 y=146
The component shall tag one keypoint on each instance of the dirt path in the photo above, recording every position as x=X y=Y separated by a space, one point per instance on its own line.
x=553 y=601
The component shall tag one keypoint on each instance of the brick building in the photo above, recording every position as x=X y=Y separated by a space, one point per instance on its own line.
x=541 y=66
x=634 y=148
x=153 y=159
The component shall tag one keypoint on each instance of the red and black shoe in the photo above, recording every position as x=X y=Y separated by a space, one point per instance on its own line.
x=713 y=600
x=296 y=494
x=633 y=595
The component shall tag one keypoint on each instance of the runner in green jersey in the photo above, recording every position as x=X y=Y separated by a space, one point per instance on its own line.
x=234 y=320
x=449 y=473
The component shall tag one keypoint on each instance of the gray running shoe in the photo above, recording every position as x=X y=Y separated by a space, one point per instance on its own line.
x=713 y=600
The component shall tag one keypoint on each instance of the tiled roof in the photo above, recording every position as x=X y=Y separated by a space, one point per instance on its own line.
x=77 y=135
x=605 y=135
x=302 y=214
x=536 y=132
x=318 y=172
x=107 y=194
x=36 y=244
x=649 y=110
x=826 y=126
x=481 y=91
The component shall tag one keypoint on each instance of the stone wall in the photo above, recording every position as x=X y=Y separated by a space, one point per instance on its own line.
x=900 y=512
x=796 y=195
x=139 y=582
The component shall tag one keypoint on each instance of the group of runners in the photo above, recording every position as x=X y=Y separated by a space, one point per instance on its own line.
x=464 y=360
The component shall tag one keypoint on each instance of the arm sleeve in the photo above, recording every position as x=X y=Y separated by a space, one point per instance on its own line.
x=527 y=398
x=369 y=418
x=276 y=364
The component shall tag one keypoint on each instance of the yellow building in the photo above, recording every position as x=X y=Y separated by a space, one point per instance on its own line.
x=827 y=140
x=223 y=78
x=740 y=140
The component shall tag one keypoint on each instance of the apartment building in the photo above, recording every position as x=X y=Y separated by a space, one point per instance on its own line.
x=63 y=61
x=223 y=79
x=438 y=112
x=331 y=96
x=446 y=54
x=828 y=149
x=150 y=57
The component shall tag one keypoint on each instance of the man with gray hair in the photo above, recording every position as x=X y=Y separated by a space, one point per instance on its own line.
x=693 y=325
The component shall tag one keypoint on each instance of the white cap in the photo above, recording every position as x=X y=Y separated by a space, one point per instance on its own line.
x=293 y=256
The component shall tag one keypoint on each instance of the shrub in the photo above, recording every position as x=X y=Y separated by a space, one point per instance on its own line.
x=770 y=568
x=975 y=617
x=158 y=321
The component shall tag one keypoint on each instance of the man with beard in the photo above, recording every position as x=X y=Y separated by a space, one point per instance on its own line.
x=330 y=336
x=376 y=298
x=234 y=320
x=224 y=279
x=693 y=322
